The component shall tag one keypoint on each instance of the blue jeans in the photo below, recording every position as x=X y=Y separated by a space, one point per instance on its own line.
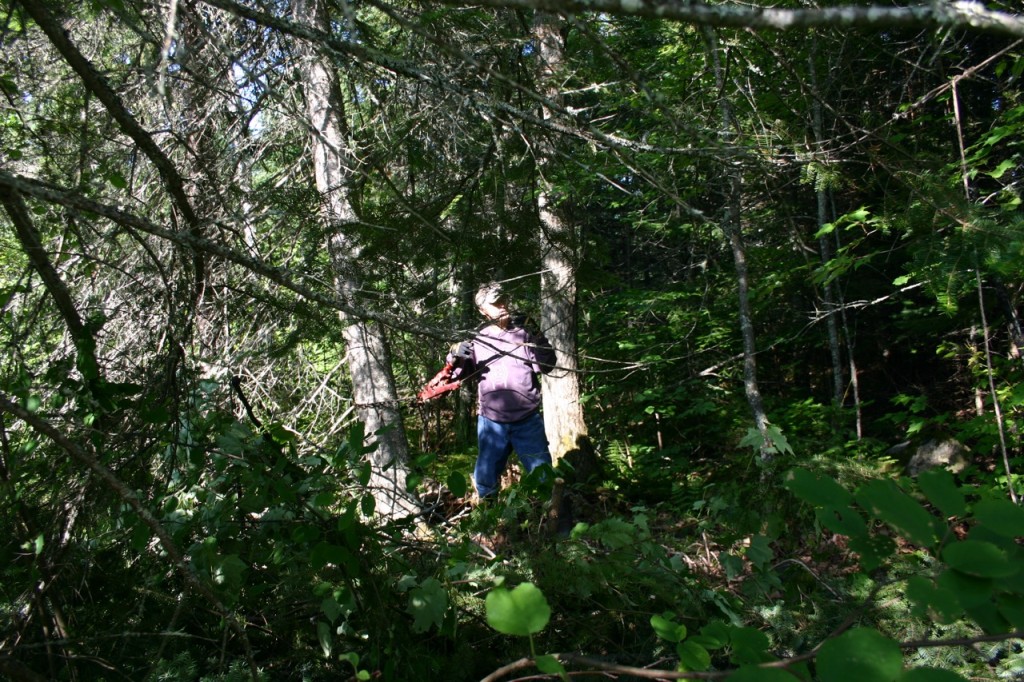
x=497 y=440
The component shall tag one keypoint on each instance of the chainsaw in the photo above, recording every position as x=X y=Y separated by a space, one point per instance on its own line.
x=441 y=383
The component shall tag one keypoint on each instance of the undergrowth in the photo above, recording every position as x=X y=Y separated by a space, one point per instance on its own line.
x=720 y=546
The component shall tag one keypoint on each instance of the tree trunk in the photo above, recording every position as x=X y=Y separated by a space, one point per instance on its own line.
x=559 y=238
x=732 y=226
x=368 y=357
x=831 y=300
x=828 y=297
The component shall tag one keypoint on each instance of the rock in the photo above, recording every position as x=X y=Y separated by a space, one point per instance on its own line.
x=946 y=453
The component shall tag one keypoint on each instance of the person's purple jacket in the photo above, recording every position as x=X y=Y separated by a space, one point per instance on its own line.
x=505 y=362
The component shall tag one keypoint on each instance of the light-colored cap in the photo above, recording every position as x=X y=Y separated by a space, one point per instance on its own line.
x=489 y=293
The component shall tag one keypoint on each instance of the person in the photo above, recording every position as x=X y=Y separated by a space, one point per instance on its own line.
x=504 y=358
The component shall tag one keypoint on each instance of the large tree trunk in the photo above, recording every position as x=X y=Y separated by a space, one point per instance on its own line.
x=368 y=357
x=563 y=413
x=559 y=238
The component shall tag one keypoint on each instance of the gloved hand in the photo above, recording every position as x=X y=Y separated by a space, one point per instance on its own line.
x=462 y=351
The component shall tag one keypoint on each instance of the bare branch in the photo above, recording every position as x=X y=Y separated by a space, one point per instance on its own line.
x=14 y=204
x=198 y=244
x=96 y=84
x=961 y=14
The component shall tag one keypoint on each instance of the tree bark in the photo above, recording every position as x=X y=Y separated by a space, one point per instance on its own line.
x=368 y=356
x=564 y=420
x=733 y=228
x=959 y=14
x=828 y=297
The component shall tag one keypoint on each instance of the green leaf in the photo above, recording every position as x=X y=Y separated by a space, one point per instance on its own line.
x=843 y=520
x=760 y=552
x=778 y=442
x=233 y=440
x=428 y=602
x=331 y=608
x=1012 y=609
x=940 y=488
x=614 y=533
x=522 y=611
x=1001 y=169
x=714 y=635
x=363 y=474
x=931 y=601
x=749 y=646
x=886 y=502
x=857 y=216
x=230 y=571
x=755 y=440
x=35 y=546
x=693 y=656
x=860 y=655
x=305 y=533
x=666 y=628
x=1001 y=516
x=969 y=591
x=988 y=617
x=732 y=564
x=826 y=229
x=550 y=665
x=817 y=490
x=873 y=550
x=323 y=634
x=997 y=135
x=367 y=504
x=979 y=558
x=356 y=436
x=457 y=484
